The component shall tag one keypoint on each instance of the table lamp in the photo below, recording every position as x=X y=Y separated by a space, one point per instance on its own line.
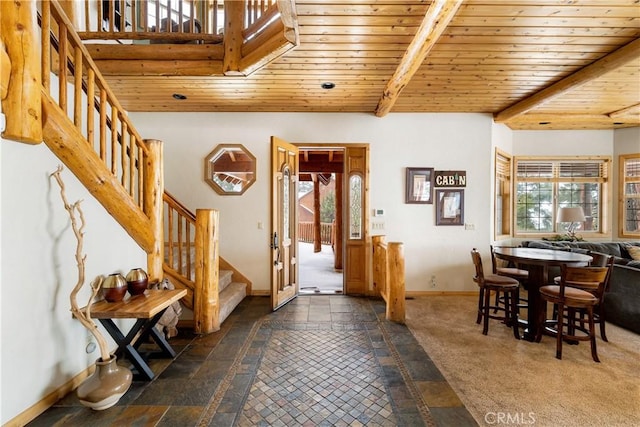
x=573 y=216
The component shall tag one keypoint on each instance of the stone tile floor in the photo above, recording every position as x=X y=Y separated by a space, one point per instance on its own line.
x=318 y=361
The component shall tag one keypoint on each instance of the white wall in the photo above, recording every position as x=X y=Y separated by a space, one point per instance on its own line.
x=42 y=346
x=563 y=143
x=442 y=141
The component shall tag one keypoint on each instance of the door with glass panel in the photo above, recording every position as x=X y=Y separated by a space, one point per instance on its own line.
x=284 y=223
x=356 y=253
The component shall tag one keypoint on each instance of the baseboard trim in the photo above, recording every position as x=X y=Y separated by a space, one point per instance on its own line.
x=186 y=324
x=266 y=293
x=440 y=293
x=260 y=293
x=49 y=400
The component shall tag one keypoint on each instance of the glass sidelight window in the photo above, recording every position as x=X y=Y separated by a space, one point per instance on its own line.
x=355 y=207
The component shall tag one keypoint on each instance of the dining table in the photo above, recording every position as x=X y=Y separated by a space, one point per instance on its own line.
x=537 y=263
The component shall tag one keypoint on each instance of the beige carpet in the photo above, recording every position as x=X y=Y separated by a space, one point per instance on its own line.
x=503 y=381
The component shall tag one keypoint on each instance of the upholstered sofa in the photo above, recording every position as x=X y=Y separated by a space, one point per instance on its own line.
x=622 y=300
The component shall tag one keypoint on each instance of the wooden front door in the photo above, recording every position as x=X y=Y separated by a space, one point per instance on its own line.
x=356 y=220
x=284 y=222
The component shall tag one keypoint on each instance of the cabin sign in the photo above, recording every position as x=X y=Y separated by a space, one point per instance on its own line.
x=450 y=178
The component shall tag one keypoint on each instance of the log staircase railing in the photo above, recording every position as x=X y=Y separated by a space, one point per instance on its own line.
x=90 y=132
x=84 y=125
x=388 y=276
x=192 y=259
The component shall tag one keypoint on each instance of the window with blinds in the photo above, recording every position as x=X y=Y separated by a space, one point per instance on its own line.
x=502 y=195
x=545 y=184
x=629 y=206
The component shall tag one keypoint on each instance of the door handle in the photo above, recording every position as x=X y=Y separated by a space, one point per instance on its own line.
x=274 y=241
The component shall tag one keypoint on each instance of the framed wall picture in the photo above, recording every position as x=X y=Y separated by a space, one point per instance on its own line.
x=450 y=207
x=419 y=185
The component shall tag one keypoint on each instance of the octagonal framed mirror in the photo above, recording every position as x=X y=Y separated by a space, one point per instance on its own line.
x=230 y=169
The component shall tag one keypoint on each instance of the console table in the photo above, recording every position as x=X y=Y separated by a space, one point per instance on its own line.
x=147 y=308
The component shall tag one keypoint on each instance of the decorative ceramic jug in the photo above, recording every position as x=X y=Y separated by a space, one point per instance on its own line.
x=137 y=281
x=114 y=287
x=105 y=387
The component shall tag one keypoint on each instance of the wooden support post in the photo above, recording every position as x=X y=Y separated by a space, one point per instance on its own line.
x=5 y=71
x=22 y=105
x=206 y=304
x=317 y=230
x=395 y=301
x=233 y=39
x=153 y=192
x=73 y=9
x=337 y=244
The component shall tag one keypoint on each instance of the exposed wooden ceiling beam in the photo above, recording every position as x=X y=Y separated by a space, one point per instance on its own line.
x=614 y=60
x=571 y=121
x=624 y=112
x=438 y=16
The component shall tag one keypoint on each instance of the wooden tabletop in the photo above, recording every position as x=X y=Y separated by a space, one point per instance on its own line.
x=141 y=306
x=541 y=256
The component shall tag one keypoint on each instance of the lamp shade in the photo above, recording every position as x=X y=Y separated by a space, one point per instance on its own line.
x=574 y=214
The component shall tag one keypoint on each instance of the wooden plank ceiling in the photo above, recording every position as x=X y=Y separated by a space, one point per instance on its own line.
x=493 y=55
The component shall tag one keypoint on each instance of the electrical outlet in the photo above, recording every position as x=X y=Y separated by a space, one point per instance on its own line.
x=433 y=281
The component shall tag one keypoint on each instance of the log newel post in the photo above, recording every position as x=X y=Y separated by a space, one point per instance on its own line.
x=22 y=104
x=206 y=304
x=153 y=205
x=395 y=301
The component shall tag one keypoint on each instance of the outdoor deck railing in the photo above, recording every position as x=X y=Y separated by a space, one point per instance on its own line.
x=306 y=234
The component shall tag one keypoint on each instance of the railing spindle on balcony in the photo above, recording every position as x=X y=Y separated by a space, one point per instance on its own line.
x=192 y=20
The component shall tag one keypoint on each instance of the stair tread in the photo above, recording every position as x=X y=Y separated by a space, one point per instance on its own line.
x=224 y=279
x=230 y=297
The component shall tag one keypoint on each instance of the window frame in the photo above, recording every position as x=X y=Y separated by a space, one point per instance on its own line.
x=604 y=203
x=503 y=187
x=623 y=180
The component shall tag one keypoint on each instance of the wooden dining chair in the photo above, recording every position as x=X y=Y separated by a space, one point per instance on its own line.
x=599 y=260
x=514 y=272
x=502 y=286
x=568 y=325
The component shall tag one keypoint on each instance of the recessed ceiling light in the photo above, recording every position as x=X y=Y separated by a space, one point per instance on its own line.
x=179 y=96
x=328 y=85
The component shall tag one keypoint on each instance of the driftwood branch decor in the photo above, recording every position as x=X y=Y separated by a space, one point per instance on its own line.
x=77 y=224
